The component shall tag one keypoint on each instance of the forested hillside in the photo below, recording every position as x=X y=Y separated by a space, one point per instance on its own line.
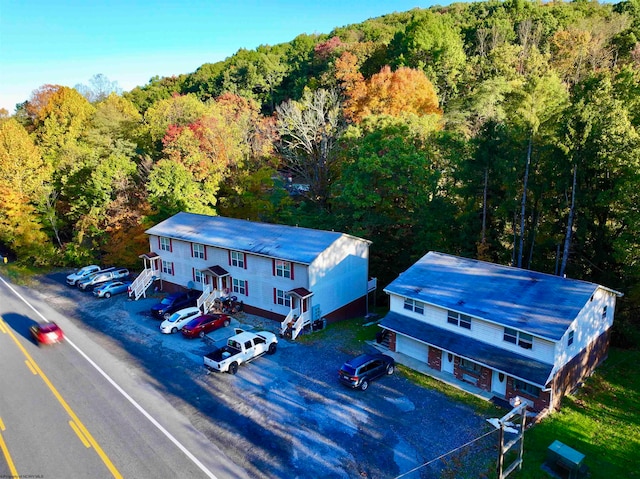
x=504 y=131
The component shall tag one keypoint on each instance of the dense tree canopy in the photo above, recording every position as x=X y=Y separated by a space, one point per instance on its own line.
x=502 y=130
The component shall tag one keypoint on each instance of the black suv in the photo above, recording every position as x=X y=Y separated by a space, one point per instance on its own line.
x=174 y=302
x=358 y=372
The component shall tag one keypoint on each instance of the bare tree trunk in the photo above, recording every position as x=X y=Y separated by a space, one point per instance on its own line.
x=524 y=200
x=567 y=238
x=484 y=204
x=50 y=213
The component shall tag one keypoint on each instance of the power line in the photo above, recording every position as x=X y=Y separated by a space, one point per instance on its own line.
x=446 y=454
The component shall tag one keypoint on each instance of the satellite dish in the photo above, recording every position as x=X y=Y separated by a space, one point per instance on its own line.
x=190 y=285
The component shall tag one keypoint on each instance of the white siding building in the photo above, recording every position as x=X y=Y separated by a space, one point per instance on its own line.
x=508 y=331
x=290 y=274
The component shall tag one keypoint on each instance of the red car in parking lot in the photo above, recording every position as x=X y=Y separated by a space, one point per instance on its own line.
x=201 y=325
x=46 y=333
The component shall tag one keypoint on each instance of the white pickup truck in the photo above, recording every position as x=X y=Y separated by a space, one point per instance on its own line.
x=243 y=347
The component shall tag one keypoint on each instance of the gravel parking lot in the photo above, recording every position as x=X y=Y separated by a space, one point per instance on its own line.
x=285 y=415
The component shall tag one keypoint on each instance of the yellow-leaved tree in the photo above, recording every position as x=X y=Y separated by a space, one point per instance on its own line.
x=23 y=175
x=403 y=92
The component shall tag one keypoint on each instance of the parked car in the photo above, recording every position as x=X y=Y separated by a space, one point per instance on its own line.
x=178 y=319
x=82 y=273
x=111 y=288
x=102 y=277
x=204 y=324
x=360 y=371
x=173 y=303
x=46 y=333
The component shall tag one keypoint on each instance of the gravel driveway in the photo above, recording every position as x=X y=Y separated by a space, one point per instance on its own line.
x=285 y=415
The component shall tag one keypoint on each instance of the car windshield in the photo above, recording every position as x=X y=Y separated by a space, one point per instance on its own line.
x=166 y=302
x=173 y=318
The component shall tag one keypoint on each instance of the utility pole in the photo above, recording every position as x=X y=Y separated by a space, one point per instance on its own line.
x=506 y=425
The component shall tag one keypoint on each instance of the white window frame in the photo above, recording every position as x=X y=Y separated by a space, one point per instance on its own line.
x=459 y=319
x=198 y=276
x=283 y=268
x=282 y=298
x=239 y=286
x=570 y=337
x=165 y=244
x=237 y=259
x=524 y=340
x=198 y=250
x=167 y=267
x=413 y=305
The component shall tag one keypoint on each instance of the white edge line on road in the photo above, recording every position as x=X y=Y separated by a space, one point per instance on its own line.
x=121 y=391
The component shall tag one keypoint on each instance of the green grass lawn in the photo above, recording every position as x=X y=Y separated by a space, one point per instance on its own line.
x=602 y=421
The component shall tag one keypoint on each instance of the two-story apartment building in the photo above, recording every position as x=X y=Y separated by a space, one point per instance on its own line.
x=509 y=331
x=285 y=273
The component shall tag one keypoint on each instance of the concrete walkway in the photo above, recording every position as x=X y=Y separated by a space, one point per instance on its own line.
x=423 y=368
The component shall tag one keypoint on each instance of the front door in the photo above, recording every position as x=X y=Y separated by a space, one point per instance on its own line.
x=447 y=362
x=499 y=383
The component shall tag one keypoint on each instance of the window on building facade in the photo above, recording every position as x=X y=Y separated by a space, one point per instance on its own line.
x=604 y=312
x=282 y=298
x=570 y=338
x=198 y=277
x=237 y=259
x=527 y=388
x=283 y=268
x=514 y=336
x=413 y=305
x=167 y=267
x=165 y=244
x=470 y=366
x=240 y=286
x=458 y=319
x=198 y=251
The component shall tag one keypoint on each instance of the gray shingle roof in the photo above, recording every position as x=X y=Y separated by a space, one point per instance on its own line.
x=290 y=243
x=508 y=362
x=540 y=304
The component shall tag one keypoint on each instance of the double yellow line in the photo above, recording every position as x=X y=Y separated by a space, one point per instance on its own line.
x=85 y=436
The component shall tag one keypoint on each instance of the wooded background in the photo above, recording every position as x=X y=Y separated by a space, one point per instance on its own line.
x=503 y=131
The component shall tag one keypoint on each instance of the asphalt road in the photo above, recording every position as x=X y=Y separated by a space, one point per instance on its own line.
x=281 y=416
x=65 y=411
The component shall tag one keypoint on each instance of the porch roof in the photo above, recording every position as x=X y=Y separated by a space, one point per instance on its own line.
x=300 y=292
x=217 y=270
x=512 y=364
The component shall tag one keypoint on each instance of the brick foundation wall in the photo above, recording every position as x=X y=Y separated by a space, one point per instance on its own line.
x=392 y=341
x=435 y=358
x=580 y=367
x=484 y=381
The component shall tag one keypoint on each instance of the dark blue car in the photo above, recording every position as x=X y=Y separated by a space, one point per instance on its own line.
x=173 y=303
x=359 y=372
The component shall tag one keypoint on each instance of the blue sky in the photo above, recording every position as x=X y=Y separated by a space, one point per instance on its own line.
x=68 y=42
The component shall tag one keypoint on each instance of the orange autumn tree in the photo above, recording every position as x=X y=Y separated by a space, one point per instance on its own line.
x=405 y=91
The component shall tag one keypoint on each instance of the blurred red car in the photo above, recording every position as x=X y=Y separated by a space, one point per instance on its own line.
x=46 y=333
x=201 y=325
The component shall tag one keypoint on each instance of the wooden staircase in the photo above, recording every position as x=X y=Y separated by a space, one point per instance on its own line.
x=207 y=298
x=141 y=283
x=294 y=323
